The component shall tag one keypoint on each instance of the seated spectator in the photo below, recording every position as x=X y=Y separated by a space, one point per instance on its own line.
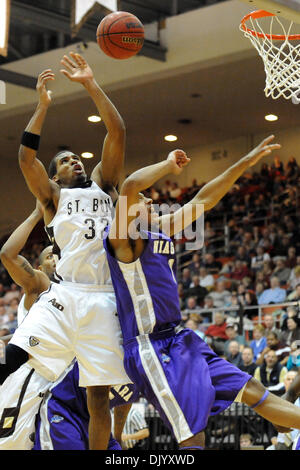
x=233 y=335
x=258 y=260
x=12 y=293
x=194 y=266
x=270 y=326
x=294 y=278
x=291 y=261
x=11 y=326
x=212 y=266
x=181 y=295
x=215 y=334
x=281 y=271
x=259 y=289
x=186 y=278
x=293 y=331
x=234 y=302
x=242 y=255
x=290 y=312
x=250 y=301
x=274 y=295
x=240 y=270
x=191 y=304
x=194 y=325
x=295 y=294
x=259 y=341
x=234 y=356
x=282 y=350
x=154 y=194
x=221 y=295
x=206 y=280
x=175 y=191
x=294 y=357
x=246 y=440
x=271 y=373
x=195 y=290
x=248 y=365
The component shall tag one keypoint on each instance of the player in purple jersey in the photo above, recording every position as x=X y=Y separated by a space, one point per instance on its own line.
x=63 y=419
x=175 y=370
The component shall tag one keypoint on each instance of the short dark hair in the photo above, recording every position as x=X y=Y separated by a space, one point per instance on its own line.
x=52 y=167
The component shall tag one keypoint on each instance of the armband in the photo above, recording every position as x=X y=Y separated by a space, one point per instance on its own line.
x=30 y=140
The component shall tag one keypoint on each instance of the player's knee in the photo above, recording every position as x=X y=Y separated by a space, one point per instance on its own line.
x=14 y=358
x=98 y=399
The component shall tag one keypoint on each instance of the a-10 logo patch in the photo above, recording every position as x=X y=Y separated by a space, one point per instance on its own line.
x=56 y=304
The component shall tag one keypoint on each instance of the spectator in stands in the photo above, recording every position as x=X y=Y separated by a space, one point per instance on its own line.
x=233 y=335
x=3 y=315
x=11 y=325
x=270 y=326
x=206 y=280
x=295 y=294
x=243 y=255
x=12 y=293
x=294 y=278
x=277 y=167
x=248 y=365
x=250 y=301
x=293 y=331
x=181 y=295
x=290 y=313
x=294 y=357
x=240 y=270
x=246 y=440
x=154 y=194
x=281 y=271
x=259 y=289
x=192 y=324
x=186 y=278
x=273 y=295
x=195 y=290
x=191 y=304
x=259 y=258
x=212 y=266
x=259 y=341
x=282 y=350
x=175 y=191
x=194 y=266
x=234 y=302
x=221 y=296
x=233 y=355
x=291 y=261
x=215 y=334
x=270 y=373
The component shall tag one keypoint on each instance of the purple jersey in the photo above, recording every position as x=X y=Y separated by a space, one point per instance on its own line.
x=146 y=290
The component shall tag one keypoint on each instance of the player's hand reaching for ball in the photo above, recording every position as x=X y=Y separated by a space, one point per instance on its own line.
x=76 y=68
x=263 y=149
x=44 y=94
x=179 y=160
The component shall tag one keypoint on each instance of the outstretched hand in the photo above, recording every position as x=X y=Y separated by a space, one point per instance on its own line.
x=44 y=94
x=263 y=149
x=179 y=160
x=76 y=68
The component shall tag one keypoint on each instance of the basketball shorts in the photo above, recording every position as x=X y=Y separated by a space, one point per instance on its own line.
x=59 y=428
x=74 y=320
x=183 y=379
x=20 y=398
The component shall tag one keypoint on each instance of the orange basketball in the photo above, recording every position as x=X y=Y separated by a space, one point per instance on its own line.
x=120 y=35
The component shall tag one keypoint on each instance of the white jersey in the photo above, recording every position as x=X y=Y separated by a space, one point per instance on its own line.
x=77 y=231
x=22 y=311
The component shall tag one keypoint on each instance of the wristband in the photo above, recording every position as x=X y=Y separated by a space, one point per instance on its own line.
x=30 y=140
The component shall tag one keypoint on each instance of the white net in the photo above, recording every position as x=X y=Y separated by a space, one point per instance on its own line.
x=281 y=57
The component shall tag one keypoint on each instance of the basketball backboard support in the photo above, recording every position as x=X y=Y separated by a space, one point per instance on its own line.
x=289 y=9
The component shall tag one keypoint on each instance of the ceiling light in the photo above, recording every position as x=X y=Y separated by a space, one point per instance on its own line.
x=271 y=117
x=87 y=155
x=170 y=138
x=94 y=118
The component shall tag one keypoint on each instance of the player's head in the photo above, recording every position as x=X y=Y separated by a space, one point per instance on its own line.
x=146 y=210
x=67 y=169
x=47 y=262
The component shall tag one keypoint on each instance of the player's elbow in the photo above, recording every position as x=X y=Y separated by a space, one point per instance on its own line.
x=130 y=186
x=4 y=254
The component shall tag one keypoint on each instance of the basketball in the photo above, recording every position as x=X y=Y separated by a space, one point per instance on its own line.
x=120 y=35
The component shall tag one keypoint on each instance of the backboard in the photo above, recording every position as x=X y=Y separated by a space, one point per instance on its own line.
x=289 y=9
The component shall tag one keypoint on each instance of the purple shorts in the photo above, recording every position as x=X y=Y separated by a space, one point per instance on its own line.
x=183 y=378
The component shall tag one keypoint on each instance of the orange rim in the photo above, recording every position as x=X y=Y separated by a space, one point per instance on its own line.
x=262 y=14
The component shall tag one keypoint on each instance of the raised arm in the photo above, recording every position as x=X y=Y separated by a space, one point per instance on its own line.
x=215 y=190
x=33 y=170
x=107 y=172
x=17 y=266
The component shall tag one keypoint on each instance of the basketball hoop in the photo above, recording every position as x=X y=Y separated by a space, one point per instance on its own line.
x=279 y=52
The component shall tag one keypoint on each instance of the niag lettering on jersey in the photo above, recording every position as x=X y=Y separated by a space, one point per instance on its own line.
x=163 y=247
x=99 y=206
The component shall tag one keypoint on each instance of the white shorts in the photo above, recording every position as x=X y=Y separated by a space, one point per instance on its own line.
x=20 y=398
x=74 y=320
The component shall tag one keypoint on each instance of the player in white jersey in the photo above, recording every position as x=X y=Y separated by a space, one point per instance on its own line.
x=78 y=316
x=22 y=392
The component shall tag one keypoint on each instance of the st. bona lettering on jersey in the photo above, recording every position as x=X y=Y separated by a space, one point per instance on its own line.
x=78 y=229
